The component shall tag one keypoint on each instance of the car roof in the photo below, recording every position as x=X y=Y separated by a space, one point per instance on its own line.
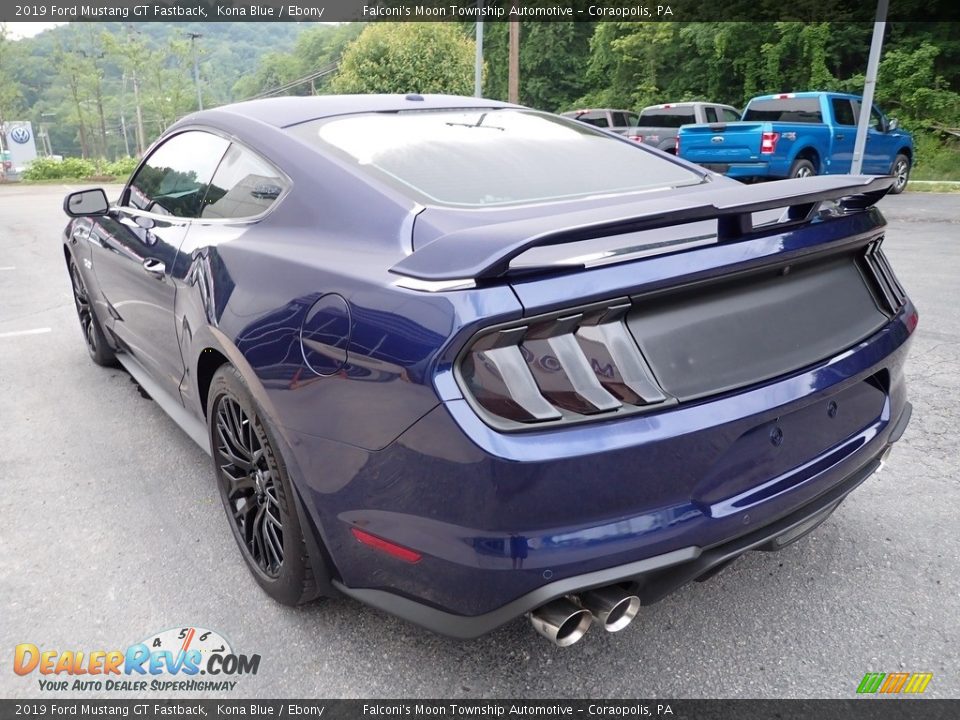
x=286 y=111
x=806 y=94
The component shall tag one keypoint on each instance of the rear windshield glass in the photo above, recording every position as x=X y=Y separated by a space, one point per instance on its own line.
x=795 y=110
x=667 y=117
x=491 y=157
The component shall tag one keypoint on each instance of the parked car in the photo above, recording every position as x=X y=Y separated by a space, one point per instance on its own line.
x=465 y=361
x=619 y=121
x=798 y=135
x=659 y=124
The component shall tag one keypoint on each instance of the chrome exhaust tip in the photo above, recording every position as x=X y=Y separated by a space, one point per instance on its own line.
x=612 y=607
x=561 y=622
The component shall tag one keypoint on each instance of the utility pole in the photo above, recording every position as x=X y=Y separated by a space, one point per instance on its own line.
x=873 y=64
x=478 y=58
x=196 y=66
x=513 y=67
x=140 y=133
x=123 y=119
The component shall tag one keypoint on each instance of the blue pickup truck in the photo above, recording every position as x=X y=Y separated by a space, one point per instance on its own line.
x=793 y=135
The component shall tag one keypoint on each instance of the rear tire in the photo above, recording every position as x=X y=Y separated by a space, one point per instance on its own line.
x=901 y=173
x=93 y=335
x=256 y=491
x=802 y=168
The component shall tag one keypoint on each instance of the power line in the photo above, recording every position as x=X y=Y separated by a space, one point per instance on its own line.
x=325 y=70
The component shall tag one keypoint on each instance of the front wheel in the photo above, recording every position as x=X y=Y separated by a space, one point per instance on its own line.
x=256 y=492
x=93 y=335
x=802 y=168
x=901 y=174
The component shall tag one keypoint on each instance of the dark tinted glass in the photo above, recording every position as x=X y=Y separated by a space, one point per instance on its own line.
x=667 y=117
x=795 y=110
x=491 y=157
x=728 y=115
x=711 y=114
x=842 y=112
x=174 y=179
x=244 y=186
x=597 y=119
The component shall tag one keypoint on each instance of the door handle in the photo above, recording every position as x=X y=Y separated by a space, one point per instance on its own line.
x=840 y=136
x=155 y=267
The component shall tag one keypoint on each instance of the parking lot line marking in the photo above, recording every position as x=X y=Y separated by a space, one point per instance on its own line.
x=8 y=267
x=16 y=333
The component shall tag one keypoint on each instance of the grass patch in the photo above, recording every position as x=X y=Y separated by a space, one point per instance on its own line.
x=936 y=159
x=933 y=187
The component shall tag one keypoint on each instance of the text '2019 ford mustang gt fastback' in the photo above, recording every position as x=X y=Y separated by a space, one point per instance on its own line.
x=466 y=361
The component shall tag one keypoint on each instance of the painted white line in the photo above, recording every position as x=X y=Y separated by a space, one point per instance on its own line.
x=8 y=267
x=17 y=333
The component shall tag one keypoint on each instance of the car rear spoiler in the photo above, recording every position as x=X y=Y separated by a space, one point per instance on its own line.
x=485 y=251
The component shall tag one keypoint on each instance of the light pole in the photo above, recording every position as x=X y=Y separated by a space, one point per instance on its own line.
x=866 y=106
x=196 y=66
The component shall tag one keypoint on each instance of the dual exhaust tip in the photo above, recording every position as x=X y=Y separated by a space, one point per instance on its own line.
x=566 y=620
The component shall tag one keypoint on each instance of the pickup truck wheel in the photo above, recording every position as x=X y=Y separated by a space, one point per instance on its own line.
x=802 y=168
x=901 y=173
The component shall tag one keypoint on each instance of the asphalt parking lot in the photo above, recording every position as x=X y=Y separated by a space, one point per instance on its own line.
x=113 y=530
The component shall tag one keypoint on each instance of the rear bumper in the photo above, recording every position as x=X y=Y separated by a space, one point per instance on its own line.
x=749 y=169
x=651 y=579
x=505 y=522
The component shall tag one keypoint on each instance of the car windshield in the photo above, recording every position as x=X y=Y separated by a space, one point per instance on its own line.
x=488 y=157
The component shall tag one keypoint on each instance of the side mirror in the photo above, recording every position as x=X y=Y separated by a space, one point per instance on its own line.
x=86 y=203
x=892 y=124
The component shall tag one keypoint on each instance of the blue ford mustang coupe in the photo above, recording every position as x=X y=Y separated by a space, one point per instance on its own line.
x=465 y=361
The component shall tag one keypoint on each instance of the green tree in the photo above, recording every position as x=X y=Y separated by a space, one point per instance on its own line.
x=407 y=57
x=10 y=95
x=553 y=57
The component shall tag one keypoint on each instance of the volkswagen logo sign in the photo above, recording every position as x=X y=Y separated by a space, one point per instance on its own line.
x=20 y=134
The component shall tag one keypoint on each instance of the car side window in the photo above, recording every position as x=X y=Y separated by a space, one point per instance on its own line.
x=876 y=119
x=711 y=114
x=842 y=111
x=244 y=186
x=729 y=115
x=174 y=179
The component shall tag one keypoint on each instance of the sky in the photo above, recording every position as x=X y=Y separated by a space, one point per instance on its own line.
x=17 y=30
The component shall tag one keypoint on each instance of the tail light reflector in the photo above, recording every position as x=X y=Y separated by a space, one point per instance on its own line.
x=377 y=543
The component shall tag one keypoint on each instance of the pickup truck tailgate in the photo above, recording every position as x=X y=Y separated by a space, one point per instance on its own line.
x=721 y=143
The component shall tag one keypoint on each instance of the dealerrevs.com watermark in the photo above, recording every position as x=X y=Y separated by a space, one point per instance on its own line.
x=179 y=659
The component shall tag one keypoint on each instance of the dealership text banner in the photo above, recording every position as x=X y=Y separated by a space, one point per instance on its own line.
x=445 y=10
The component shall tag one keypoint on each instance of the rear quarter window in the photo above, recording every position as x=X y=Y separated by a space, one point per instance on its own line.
x=244 y=186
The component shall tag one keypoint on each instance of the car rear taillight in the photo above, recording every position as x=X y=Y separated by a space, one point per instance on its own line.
x=563 y=367
x=636 y=138
x=676 y=145
x=768 y=142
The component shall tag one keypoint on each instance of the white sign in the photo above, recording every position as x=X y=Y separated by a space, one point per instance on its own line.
x=19 y=141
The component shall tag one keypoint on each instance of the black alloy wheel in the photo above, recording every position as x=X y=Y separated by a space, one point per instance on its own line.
x=249 y=485
x=257 y=493
x=93 y=336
